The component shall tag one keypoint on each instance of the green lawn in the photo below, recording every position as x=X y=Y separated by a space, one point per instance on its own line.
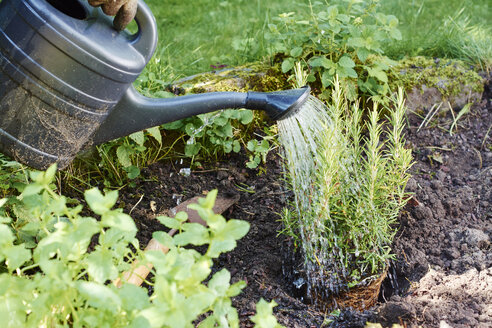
x=197 y=34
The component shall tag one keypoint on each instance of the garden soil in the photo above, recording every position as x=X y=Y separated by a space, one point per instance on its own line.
x=442 y=272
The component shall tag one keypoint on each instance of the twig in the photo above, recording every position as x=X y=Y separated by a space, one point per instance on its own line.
x=141 y=197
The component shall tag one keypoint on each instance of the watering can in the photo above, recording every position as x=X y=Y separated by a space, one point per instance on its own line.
x=66 y=82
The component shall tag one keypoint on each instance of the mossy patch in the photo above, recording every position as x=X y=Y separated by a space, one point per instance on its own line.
x=251 y=77
x=434 y=80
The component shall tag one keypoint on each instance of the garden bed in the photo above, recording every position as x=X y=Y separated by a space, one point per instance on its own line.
x=442 y=270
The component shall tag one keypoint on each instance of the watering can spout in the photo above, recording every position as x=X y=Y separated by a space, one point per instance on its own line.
x=135 y=112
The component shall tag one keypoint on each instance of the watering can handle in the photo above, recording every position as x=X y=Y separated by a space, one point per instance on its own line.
x=146 y=38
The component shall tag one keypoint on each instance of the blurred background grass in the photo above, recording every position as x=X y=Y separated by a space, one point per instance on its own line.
x=197 y=35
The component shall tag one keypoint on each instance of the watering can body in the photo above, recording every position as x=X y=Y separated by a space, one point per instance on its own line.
x=62 y=71
x=66 y=82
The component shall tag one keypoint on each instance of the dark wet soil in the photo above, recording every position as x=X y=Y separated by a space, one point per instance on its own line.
x=442 y=273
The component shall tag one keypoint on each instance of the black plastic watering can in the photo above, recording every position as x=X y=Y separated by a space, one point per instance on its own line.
x=66 y=82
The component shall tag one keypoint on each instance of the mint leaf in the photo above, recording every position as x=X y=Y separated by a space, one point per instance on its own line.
x=98 y=202
x=100 y=266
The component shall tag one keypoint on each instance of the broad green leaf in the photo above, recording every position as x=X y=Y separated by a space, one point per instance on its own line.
x=321 y=62
x=326 y=79
x=119 y=220
x=362 y=54
x=192 y=149
x=176 y=125
x=181 y=216
x=227 y=145
x=287 y=65
x=133 y=297
x=201 y=269
x=392 y=21
x=199 y=302
x=123 y=153
x=163 y=238
x=296 y=52
x=220 y=282
x=171 y=223
x=252 y=144
x=346 y=61
x=395 y=34
x=193 y=234
x=236 y=146
x=380 y=75
x=99 y=296
x=253 y=162
x=151 y=317
x=246 y=116
x=31 y=189
x=6 y=236
x=209 y=322
x=235 y=229
x=100 y=203
x=218 y=247
x=100 y=266
x=346 y=72
x=138 y=137
x=141 y=322
x=155 y=133
x=264 y=315
x=46 y=177
x=343 y=18
x=132 y=171
x=16 y=256
x=190 y=129
x=236 y=289
x=221 y=120
x=264 y=146
x=209 y=201
x=355 y=42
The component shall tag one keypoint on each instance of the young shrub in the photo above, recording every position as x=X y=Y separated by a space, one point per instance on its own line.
x=345 y=217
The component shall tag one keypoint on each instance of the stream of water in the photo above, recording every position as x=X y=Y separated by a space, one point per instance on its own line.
x=300 y=135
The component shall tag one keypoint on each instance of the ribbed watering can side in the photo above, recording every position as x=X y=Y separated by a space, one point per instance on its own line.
x=62 y=70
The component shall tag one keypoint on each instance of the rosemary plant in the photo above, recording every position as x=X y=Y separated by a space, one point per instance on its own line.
x=345 y=217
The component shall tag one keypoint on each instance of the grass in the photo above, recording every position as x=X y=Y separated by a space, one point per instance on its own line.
x=448 y=29
x=193 y=35
x=197 y=34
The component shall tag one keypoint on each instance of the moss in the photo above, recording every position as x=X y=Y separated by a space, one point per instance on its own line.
x=252 y=77
x=448 y=76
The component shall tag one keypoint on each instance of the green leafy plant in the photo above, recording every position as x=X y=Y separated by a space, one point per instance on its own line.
x=212 y=134
x=120 y=160
x=56 y=267
x=344 y=218
x=343 y=38
x=12 y=175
